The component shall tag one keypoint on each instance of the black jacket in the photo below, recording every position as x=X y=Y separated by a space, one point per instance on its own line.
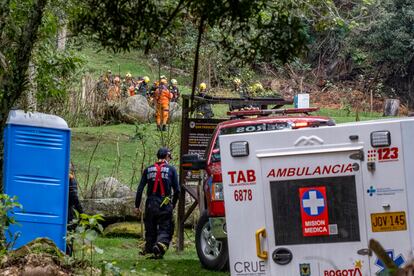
x=169 y=178
x=74 y=203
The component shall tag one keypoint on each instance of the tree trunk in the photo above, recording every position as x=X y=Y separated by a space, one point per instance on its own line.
x=196 y=59
x=31 y=92
x=61 y=37
x=391 y=107
x=61 y=32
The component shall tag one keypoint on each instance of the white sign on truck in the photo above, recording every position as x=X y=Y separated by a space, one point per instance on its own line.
x=307 y=201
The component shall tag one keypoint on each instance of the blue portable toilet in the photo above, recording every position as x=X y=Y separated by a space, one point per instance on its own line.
x=36 y=170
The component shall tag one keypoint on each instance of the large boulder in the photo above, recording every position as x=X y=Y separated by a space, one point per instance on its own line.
x=112 y=209
x=175 y=112
x=114 y=200
x=136 y=109
x=109 y=187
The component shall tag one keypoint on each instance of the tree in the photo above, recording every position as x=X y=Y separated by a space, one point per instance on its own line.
x=251 y=29
x=19 y=25
x=28 y=30
x=389 y=46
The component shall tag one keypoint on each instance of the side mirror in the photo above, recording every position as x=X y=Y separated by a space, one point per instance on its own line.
x=192 y=162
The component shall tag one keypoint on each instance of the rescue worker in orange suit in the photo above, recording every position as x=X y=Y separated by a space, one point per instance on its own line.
x=162 y=196
x=162 y=97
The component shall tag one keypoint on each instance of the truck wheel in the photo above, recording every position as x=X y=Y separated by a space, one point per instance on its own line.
x=213 y=253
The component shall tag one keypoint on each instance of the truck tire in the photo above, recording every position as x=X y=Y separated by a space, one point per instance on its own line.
x=213 y=253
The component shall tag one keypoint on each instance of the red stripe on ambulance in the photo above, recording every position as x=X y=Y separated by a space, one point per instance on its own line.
x=308 y=171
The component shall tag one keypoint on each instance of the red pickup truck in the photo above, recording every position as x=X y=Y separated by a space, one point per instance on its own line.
x=211 y=236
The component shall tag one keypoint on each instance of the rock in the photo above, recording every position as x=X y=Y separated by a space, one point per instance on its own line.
x=136 y=109
x=112 y=199
x=112 y=209
x=391 y=107
x=175 y=112
x=124 y=229
x=109 y=187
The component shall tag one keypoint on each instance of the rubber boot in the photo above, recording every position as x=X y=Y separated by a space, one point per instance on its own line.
x=164 y=127
x=159 y=250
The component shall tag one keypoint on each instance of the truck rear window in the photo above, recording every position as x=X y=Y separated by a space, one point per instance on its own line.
x=255 y=128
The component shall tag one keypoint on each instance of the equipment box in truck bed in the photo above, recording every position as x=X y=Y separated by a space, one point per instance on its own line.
x=306 y=202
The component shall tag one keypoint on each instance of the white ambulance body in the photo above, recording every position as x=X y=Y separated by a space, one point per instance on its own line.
x=307 y=201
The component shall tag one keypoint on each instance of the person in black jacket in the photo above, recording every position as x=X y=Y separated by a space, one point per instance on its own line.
x=162 y=196
x=73 y=204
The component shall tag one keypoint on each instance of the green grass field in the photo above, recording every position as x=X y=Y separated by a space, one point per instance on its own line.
x=121 y=151
x=134 y=62
x=125 y=252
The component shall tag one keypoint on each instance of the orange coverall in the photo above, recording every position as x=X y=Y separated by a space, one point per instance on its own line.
x=162 y=98
x=114 y=93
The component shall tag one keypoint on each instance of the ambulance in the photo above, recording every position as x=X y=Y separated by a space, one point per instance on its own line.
x=307 y=201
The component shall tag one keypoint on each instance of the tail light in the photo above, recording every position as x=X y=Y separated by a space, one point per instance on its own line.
x=300 y=125
x=217 y=192
x=216 y=196
x=297 y=125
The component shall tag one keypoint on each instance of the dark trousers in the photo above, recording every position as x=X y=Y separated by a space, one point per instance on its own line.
x=69 y=242
x=158 y=223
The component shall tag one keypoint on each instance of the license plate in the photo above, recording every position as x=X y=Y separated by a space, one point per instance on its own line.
x=387 y=222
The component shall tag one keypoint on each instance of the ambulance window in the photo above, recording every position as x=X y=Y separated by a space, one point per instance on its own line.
x=289 y=216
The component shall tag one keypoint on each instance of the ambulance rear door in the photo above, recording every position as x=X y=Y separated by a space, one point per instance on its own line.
x=314 y=211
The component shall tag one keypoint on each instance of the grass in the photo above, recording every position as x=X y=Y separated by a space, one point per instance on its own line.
x=134 y=62
x=125 y=252
x=121 y=151
x=98 y=63
x=345 y=116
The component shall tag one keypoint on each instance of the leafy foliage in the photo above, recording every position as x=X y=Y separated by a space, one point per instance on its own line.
x=56 y=69
x=18 y=33
x=7 y=206
x=390 y=39
x=56 y=74
x=85 y=234
x=27 y=33
x=249 y=29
